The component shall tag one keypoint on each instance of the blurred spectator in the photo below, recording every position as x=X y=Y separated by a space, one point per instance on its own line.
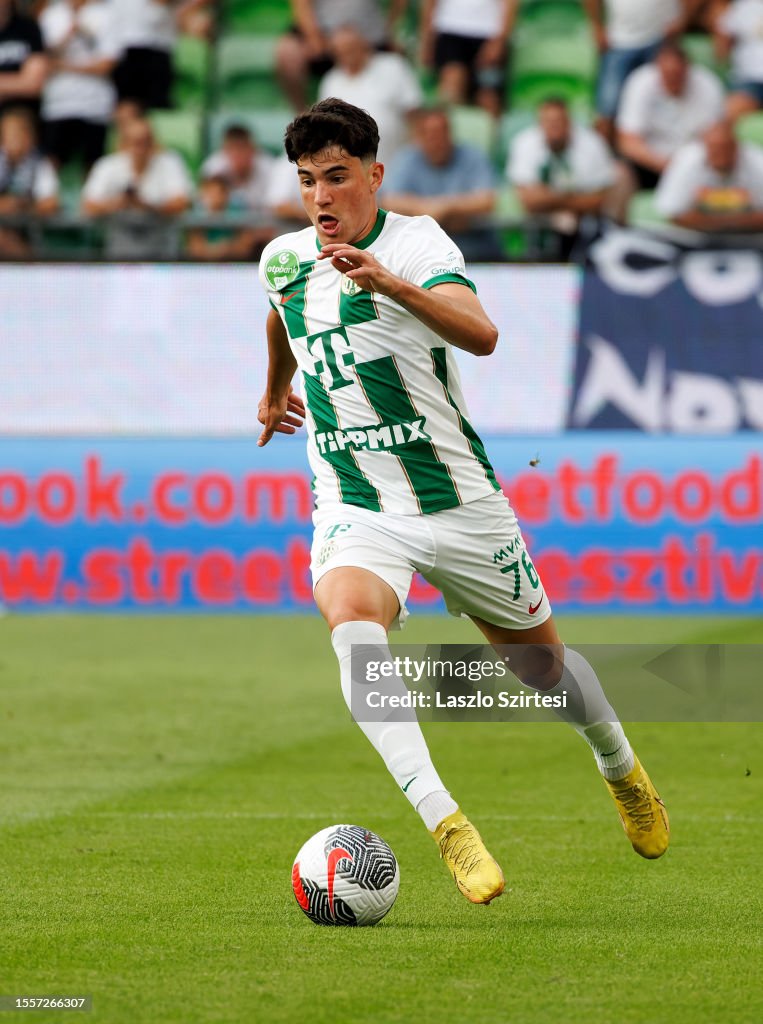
x=304 y=51
x=562 y=172
x=147 y=31
x=221 y=242
x=247 y=169
x=125 y=112
x=452 y=183
x=467 y=43
x=28 y=182
x=146 y=186
x=285 y=193
x=715 y=184
x=78 y=99
x=664 y=105
x=23 y=64
x=739 y=34
x=384 y=84
x=628 y=34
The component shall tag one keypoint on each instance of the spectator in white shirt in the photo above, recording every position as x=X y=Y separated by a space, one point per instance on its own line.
x=78 y=98
x=247 y=169
x=714 y=185
x=562 y=172
x=664 y=105
x=384 y=84
x=28 y=182
x=148 y=185
x=467 y=43
x=628 y=34
x=739 y=35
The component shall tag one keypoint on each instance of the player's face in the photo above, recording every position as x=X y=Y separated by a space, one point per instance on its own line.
x=339 y=194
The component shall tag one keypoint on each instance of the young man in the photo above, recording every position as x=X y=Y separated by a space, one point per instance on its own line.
x=367 y=305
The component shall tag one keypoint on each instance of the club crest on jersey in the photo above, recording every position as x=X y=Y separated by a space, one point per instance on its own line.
x=282 y=268
x=349 y=287
x=376 y=437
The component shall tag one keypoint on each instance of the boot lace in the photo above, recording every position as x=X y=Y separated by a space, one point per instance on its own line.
x=462 y=847
x=637 y=803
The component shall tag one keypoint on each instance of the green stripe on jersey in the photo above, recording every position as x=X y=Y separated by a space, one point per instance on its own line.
x=444 y=278
x=440 y=364
x=293 y=298
x=354 y=487
x=358 y=308
x=429 y=477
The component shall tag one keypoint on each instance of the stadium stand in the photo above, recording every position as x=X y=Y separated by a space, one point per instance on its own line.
x=229 y=76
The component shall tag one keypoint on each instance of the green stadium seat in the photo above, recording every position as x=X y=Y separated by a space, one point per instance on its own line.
x=700 y=50
x=511 y=216
x=642 y=213
x=508 y=207
x=572 y=54
x=750 y=128
x=266 y=17
x=267 y=126
x=511 y=124
x=553 y=17
x=474 y=127
x=71 y=178
x=530 y=90
x=191 y=60
x=180 y=130
x=245 y=72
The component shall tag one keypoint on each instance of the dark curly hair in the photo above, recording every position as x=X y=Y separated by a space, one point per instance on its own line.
x=332 y=122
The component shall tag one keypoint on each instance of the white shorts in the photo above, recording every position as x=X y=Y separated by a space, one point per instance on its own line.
x=474 y=554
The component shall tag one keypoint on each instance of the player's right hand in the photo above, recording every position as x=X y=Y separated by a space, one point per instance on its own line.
x=284 y=416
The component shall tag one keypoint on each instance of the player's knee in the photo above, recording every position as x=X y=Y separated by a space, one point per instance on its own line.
x=353 y=612
x=539 y=666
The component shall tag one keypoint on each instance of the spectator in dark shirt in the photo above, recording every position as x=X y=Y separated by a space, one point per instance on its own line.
x=23 y=65
x=28 y=182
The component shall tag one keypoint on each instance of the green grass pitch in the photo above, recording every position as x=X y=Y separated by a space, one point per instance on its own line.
x=159 y=775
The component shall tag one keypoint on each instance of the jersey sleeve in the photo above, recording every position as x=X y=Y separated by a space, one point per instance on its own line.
x=272 y=293
x=430 y=256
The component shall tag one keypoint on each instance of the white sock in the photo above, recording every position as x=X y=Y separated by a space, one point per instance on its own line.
x=401 y=744
x=589 y=712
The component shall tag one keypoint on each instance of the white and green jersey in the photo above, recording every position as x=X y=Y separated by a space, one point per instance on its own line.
x=387 y=424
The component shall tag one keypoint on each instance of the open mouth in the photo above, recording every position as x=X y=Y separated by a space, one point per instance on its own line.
x=328 y=224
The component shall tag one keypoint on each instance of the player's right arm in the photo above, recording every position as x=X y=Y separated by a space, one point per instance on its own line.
x=280 y=410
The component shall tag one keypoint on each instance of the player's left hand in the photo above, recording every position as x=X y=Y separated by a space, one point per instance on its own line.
x=360 y=266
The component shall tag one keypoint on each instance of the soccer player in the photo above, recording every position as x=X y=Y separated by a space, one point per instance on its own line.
x=367 y=305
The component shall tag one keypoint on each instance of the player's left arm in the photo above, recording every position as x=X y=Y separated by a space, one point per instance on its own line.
x=450 y=309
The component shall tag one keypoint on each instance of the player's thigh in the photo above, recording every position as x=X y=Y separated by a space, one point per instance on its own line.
x=350 y=594
x=483 y=568
x=383 y=550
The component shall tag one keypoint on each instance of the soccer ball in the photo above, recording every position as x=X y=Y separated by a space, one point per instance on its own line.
x=345 y=875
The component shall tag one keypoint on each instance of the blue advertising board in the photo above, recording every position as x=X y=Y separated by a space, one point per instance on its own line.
x=613 y=520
